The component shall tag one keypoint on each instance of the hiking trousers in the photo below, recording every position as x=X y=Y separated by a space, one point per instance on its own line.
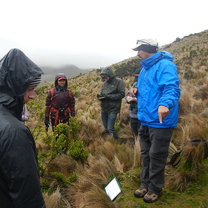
x=135 y=125
x=109 y=119
x=154 y=144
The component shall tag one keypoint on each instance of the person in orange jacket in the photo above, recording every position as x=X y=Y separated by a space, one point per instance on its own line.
x=60 y=103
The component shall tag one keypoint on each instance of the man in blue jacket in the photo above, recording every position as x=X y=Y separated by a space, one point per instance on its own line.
x=158 y=96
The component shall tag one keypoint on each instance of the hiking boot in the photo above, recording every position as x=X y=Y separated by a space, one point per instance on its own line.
x=105 y=133
x=150 y=197
x=139 y=193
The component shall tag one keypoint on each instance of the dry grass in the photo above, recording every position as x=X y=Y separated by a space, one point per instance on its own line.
x=88 y=190
x=185 y=101
x=91 y=129
x=192 y=127
x=124 y=114
x=118 y=164
x=137 y=155
x=53 y=200
x=189 y=168
x=63 y=164
x=92 y=197
x=100 y=169
x=172 y=149
x=110 y=148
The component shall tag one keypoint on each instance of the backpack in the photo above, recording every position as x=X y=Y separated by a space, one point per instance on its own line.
x=57 y=112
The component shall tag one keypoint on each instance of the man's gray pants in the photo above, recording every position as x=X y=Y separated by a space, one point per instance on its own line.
x=154 y=144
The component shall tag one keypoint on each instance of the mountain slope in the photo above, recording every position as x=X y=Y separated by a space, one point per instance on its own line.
x=186 y=186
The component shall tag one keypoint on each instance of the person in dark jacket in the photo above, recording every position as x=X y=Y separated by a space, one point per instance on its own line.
x=19 y=174
x=60 y=103
x=133 y=108
x=112 y=92
x=158 y=95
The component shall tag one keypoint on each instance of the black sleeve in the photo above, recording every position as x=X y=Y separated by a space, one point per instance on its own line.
x=19 y=169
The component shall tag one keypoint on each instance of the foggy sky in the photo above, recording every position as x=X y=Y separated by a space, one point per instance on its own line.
x=94 y=33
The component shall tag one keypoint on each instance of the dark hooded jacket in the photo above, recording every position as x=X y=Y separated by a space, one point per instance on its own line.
x=19 y=177
x=113 y=91
x=133 y=108
x=60 y=99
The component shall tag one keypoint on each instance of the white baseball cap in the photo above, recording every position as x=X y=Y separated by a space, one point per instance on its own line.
x=149 y=42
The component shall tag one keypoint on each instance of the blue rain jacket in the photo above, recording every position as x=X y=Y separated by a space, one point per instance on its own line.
x=158 y=84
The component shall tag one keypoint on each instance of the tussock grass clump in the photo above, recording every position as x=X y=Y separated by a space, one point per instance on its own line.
x=108 y=149
x=92 y=196
x=53 y=200
x=202 y=92
x=192 y=126
x=124 y=114
x=190 y=167
x=123 y=153
x=88 y=191
x=91 y=129
x=100 y=169
x=63 y=164
x=185 y=101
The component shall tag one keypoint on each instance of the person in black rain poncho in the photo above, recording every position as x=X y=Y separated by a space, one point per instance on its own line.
x=19 y=176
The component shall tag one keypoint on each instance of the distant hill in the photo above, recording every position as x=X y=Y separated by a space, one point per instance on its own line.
x=69 y=70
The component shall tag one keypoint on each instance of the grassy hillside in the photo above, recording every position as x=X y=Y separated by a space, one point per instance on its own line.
x=76 y=162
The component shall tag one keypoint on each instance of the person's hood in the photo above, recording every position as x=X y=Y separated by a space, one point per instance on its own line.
x=62 y=76
x=108 y=72
x=136 y=74
x=17 y=71
x=150 y=61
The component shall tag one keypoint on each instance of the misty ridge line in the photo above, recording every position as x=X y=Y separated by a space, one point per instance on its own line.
x=69 y=70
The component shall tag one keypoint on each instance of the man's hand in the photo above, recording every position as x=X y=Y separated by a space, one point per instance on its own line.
x=130 y=98
x=102 y=96
x=133 y=91
x=162 y=112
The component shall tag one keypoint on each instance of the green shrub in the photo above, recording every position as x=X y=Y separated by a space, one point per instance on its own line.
x=59 y=144
x=62 y=128
x=48 y=138
x=77 y=151
x=42 y=165
x=72 y=178
x=45 y=185
x=61 y=179
x=74 y=128
x=60 y=140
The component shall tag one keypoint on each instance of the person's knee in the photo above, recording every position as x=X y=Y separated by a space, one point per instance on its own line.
x=158 y=155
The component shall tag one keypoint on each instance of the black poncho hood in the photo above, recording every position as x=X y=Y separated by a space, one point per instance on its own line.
x=17 y=71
